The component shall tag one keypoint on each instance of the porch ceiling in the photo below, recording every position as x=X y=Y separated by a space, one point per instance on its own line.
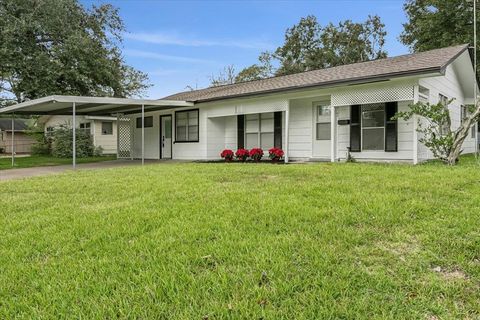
x=92 y=106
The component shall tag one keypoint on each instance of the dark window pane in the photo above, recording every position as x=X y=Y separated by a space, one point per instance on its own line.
x=182 y=133
x=107 y=128
x=373 y=139
x=148 y=122
x=192 y=133
x=323 y=131
x=374 y=118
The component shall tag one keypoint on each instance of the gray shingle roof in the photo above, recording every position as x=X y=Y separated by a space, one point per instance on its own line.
x=418 y=63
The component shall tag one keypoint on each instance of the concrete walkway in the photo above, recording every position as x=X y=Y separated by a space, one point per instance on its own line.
x=12 y=174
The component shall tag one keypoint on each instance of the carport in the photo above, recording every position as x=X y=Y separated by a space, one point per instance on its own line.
x=92 y=106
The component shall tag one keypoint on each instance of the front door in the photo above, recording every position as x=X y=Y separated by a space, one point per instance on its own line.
x=166 y=137
x=321 y=130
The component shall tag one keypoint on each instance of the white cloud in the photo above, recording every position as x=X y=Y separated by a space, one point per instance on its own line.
x=165 y=57
x=172 y=39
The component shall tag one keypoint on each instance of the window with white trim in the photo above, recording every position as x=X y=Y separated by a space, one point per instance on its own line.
x=323 y=120
x=373 y=126
x=85 y=126
x=259 y=130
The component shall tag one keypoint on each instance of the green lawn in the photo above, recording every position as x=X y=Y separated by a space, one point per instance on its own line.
x=42 y=161
x=243 y=241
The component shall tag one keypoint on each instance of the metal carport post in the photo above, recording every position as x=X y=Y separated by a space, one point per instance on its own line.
x=13 y=139
x=143 y=134
x=74 y=138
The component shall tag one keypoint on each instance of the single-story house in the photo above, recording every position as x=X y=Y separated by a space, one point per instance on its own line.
x=313 y=116
x=22 y=142
x=103 y=129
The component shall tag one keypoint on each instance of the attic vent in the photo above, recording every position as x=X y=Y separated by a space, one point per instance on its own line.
x=353 y=96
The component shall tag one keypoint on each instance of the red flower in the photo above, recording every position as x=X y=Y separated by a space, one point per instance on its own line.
x=256 y=154
x=242 y=154
x=275 y=153
x=227 y=154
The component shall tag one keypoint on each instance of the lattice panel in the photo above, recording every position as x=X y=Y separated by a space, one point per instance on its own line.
x=372 y=95
x=125 y=137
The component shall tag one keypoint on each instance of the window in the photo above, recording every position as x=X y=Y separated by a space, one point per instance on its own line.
x=323 y=120
x=186 y=126
x=85 y=126
x=472 y=134
x=50 y=129
x=107 y=128
x=373 y=127
x=259 y=130
x=463 y=113
x=444 y=128
x=148 y=122
x=423 y=94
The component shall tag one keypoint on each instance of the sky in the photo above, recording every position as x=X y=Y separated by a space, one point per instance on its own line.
x=182 y=43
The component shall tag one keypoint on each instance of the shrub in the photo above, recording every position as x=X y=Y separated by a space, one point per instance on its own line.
x=242 y=154
x=42 y=145
x=256 y=154
x=275 y=154
x=62 y=143
x=227 y=154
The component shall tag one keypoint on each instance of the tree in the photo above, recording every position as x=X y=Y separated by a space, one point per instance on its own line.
x=59 y=47
x=436 y=24
x=225 y=76
x=310 y=46
x=257 y=71
x=435 y=125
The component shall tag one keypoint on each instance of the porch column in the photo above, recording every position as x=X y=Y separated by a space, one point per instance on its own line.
x=74 y=137
x=287 y=126
x=143 y=134
x=415 y=127
x=13 y=140
x=333 y=138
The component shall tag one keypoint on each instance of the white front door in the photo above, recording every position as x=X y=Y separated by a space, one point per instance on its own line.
x=166 y=137
x=321 y=130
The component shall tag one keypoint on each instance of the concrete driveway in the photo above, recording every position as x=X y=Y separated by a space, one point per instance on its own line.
x=12 y=174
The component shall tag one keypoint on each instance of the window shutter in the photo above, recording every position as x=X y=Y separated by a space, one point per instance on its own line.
x=277 y=129
x=355 y=129
x=240 y=131
x=391 y=127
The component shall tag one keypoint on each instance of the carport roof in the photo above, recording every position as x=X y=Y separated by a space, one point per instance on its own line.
x=92 y=106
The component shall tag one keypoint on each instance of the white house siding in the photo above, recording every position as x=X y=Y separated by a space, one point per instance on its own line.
x=450 y=87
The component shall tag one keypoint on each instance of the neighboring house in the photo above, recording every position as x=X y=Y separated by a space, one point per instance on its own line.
x=102 y=129
x=22 y=142
x=316 y=115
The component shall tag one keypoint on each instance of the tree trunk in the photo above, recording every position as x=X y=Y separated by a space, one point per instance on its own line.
x=460 y=136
